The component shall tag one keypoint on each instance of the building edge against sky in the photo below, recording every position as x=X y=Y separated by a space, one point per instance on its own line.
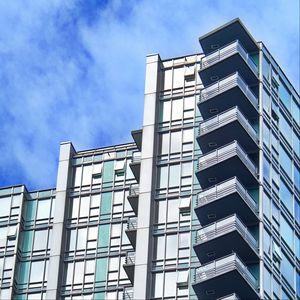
x=203 y=205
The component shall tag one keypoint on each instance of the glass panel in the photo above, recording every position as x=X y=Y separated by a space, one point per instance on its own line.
x=287 y=270
x=164 y=143
x=106 y=200
x=162 y=177
x=78 y=272
x=285 y=161
x=87 y=175
x=286 y=232
x=170 y=284
x=158 y=285
x=178 y=77
x=101 y=271
x=43 y=211
x=177 y=109
x=286 y=196
x=174 y=175
x=171 y=248
x=284 y=95
x=37 y=271
x=172 y=213
x=168 y=79
x=108 y=171
x=175 y=141
x=5 y=206
x=160 y=248
x=40 y=240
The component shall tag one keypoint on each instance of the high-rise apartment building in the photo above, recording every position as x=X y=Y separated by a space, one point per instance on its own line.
x=203 y=205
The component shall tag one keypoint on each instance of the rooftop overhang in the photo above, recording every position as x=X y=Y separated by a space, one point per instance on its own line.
x=223 y=35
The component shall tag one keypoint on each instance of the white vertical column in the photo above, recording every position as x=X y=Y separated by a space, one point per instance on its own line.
x=56 y=243
x=142 y=274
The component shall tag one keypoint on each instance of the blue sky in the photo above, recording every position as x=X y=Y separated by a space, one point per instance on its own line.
x=74 y=70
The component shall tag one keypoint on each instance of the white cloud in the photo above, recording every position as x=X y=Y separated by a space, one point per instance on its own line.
x=72 y=70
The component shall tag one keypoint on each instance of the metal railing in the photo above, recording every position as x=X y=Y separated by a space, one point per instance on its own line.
x=226 y=51
x=134 y=190
x=225 y=84
x=223 y=227
x=130 y=258
x=136 y=158
x=132 y=223
x=216 y=156
x=233 y=296
x=224 y=265
x=128 y=294
x=224 y=189
x=224 y=118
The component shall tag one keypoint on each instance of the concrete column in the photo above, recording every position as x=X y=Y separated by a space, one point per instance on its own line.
x=57 y=241
x=142 y=274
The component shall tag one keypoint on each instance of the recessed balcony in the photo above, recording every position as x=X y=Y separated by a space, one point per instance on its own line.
x=135 y=165
x=225 y=127
x=221 y=36
x=226 y=93
x=227 y=60
x=224 y=163
x=223 y=277
x=224 y=199
x=129 y=265
x=131 y=231
x=224 y=237
x=133 y=197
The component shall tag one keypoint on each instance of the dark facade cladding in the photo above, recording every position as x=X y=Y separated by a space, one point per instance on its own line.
x=204 y=204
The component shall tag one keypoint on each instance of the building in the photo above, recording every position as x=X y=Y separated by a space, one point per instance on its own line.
x=203 y=205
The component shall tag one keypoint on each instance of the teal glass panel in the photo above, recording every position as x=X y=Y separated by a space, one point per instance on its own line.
x=101 y=271
x=103 y=237
x=20 y=297
x=27 y=240
x=30 y=210
x=23 y=275
x=108 y=173
x=99 y=296
x=106 y=199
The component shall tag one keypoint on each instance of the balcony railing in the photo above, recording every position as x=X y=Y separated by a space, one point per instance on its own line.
x=130 y=258
x=134 y=190
x=223 y=153
x=224 y=118
x=226 y=51
x=233 y=296
x=224 y=265
x=224 y=189
x=225 y=84
x=223 y=227
x=132 y=224
x=128 y=294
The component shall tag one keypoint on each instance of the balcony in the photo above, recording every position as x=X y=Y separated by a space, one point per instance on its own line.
x=227 y=60
x=224 y=163
x=233 y=30
x=225 y=127
x=224 y=237
x=224 y=199
x=223 y=277
x=137 y=136
x=131 y=231
x=133 y=197
x=129 y=265
x=226 y=93
x=135 y=165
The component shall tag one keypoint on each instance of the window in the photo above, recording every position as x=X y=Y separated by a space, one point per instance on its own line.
x=170 y=284
x=287 y=233
x=287 y=271
x=284 y=95
x=285 y=161
x=183 y=278
x=286 y=196
x=266 y=68
x=185 y=203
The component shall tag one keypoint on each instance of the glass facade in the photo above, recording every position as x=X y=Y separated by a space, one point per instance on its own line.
x=204 y=204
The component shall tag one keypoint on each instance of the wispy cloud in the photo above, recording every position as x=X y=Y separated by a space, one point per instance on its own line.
x=74 y=70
